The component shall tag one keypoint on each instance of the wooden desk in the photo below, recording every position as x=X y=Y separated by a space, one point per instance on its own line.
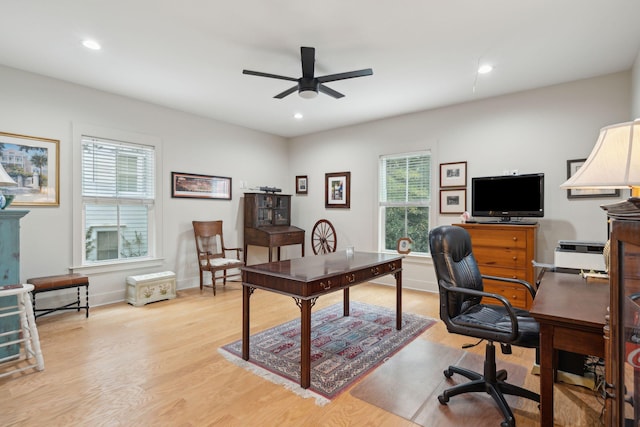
x=306 y=279
x=273 y=237
x=571 y=313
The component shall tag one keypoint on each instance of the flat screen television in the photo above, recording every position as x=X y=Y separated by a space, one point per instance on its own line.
x=508 y=197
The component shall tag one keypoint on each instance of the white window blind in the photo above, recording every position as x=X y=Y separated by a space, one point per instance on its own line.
x=404 y=199
x=118 y=194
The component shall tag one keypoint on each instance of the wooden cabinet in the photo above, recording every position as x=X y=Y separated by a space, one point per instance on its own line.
x=505 y=251
x=267 y=222
x=9 y=273
x=622 y=361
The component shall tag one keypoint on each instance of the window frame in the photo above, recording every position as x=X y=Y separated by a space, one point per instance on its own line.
x=383 y=205
x=155 y=248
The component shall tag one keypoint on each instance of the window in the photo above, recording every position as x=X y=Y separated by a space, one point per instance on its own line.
x=118 y=199
x=405 y=197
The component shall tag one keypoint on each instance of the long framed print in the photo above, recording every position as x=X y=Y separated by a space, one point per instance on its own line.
x=453 y=174
x=33 y=164
x=337 y=192
x=200 y=186
x=453 y=201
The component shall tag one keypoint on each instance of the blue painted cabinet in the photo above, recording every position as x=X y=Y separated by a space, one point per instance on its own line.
x=9 y=271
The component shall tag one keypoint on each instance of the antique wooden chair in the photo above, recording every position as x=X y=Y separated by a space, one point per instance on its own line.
x=212 y=253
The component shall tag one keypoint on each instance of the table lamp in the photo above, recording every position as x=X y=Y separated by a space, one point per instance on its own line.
x=5 y=181
x=614 y=162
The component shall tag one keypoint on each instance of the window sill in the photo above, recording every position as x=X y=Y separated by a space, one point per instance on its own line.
x=108 y=267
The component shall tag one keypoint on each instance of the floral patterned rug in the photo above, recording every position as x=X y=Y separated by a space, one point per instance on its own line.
x=343 y=349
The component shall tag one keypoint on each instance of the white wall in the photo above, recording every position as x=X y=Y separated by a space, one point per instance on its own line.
x=532 y=131
x=38 y=106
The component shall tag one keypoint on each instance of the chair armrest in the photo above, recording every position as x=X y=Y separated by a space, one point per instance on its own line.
x=516 y=281
x=505 y=302
x=238 y=250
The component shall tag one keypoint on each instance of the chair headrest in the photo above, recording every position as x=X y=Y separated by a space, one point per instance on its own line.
x=452 y=240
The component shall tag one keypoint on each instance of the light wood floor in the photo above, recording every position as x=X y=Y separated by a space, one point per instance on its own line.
x=159 y=365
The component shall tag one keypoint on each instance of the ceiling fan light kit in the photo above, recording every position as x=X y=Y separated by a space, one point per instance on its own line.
x=308 y=85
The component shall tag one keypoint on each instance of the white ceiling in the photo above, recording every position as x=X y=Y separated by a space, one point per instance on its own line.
x=189 y=55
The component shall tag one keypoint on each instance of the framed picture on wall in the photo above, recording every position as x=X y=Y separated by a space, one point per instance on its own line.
x=337 y=192
x=453 y=174
x=584 y=193
x=453 y=201
x=301 y=184
x=32 y=170
x=194 y=186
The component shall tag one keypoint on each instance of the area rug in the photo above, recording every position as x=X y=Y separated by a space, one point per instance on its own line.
x=408 y=385
x=343 y=349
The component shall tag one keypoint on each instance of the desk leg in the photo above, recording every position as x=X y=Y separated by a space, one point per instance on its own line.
x=305 y=343
x=246 y=294
x=546 y=374
x=398 y=300
x=345 y=302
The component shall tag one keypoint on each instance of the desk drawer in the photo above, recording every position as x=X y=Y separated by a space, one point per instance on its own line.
x=347 y=279
x=290 y=238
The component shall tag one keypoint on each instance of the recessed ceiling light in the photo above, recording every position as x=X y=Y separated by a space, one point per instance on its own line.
x=298 y=116
x=484 y=69
x=91 y=44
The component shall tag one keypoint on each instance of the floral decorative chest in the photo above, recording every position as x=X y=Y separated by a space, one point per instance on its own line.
x=152 y=287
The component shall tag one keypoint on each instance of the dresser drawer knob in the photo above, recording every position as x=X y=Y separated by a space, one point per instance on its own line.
x=515 y=239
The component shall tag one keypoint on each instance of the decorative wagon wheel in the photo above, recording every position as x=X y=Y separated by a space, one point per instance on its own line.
x=323 y=237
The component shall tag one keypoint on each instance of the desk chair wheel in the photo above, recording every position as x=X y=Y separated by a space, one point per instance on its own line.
x=443 y=399
x=448 y=373
x=508 y=423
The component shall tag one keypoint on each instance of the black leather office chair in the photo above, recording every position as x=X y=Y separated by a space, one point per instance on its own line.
x=465 y=312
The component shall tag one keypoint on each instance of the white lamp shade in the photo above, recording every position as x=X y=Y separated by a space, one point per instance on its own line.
x=5 y=179
x=614 y=162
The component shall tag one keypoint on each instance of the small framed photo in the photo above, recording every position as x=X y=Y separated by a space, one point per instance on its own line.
x=453 y=201
x=301 y=184
x=337 y=192
x=200 y=186
x=453 y=174
x=586 y=193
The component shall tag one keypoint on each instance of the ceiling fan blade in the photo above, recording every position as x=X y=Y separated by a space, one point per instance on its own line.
x=347 y=75
x=308 y=56
x=272 y=76
x=329 y=91
x=286 y=92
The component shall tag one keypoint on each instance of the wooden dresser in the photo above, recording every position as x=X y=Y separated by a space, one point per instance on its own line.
x=505 y=251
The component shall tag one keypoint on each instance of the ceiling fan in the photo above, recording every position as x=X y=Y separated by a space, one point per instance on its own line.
x=308 y=85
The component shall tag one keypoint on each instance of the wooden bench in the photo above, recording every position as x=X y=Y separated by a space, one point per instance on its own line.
x=55 y=283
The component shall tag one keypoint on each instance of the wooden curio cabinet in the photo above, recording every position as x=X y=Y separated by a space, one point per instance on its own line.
x=267 y=222
x=622 y=361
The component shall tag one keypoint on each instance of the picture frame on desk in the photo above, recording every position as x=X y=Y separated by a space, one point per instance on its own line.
x=583 y=193
x=36 y=169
